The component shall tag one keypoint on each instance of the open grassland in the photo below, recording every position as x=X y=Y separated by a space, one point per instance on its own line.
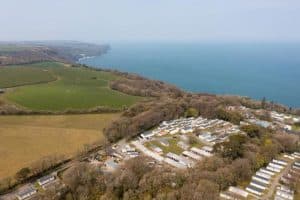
x=13 y=76
x=74 y=88
x=25 y=139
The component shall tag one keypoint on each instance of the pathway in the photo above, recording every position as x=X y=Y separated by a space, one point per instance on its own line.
x=275 y=182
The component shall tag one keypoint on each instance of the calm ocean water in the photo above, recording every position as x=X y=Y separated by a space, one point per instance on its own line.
x=255 y=70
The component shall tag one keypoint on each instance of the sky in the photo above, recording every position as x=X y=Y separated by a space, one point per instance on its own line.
x=150 y=20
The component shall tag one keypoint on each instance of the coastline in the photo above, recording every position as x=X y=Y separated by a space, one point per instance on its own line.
x=208 y=74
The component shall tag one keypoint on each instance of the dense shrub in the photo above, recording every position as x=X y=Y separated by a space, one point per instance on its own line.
x=233 y=117
x=253 y=130
x=233 y=148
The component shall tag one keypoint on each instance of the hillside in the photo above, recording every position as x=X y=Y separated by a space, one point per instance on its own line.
x=12 y=53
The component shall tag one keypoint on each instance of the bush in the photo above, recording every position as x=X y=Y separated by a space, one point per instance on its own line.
x=191 y=112
x=233 y=117
x=253 y=130
x=193 y=140
x=288 y=142
x=233 y=148
x=23 y=174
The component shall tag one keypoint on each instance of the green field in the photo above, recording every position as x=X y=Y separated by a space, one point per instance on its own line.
x=13 y=76
x=73 y=88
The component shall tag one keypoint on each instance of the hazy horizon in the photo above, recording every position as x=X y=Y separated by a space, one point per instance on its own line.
x=157 y=20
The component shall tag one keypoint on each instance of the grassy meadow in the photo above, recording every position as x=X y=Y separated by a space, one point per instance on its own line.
x=73 y=88
x=13 y=76
x=25 y=139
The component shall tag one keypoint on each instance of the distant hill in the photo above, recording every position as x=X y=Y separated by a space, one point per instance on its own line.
x=12 y=53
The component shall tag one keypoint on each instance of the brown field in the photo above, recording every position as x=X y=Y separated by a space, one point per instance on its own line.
x=24 y=139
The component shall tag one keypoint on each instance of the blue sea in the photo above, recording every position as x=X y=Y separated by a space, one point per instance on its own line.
x=257 y=70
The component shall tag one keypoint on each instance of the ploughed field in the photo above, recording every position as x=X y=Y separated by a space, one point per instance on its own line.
x=52 y=86
x=26 y=139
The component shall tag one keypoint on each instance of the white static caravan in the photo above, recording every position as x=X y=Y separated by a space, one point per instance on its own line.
x=26 y=193
x=258 y=185
x=174 y=131
x=295 y=167
x=260 y=179
x=45 y=180
x=179 y=159
x=208 y=149
x=224 y=195
x=147 y=135
x=157 y=149
x=297 y=164
x=264 y=175
x=273 y=169
x=276 y=166
x=191 y=155
x=187 y=130
x=296 y=155
x=279 y=162
x=263 y=170
x=254 y=190
x=174 y=163
x=284 y=194
x=289 y=157
x=200 y=152
x=238 y=191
